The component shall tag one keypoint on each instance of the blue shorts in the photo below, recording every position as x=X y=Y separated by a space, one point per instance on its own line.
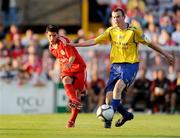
x=124 y=71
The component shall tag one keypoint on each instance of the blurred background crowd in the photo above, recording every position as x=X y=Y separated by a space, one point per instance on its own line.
x=25 y=57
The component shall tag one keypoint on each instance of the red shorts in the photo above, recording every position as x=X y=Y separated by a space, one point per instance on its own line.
x=80 y=79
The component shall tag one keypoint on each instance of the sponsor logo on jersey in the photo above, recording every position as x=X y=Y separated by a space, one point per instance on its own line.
x=119 y=37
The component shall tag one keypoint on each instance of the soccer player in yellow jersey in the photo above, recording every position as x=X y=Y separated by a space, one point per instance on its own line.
x=124 y=41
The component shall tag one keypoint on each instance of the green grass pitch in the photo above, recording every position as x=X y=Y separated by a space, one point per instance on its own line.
x=88 y=126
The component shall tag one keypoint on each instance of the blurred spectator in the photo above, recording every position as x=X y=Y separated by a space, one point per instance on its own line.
x=138 y=15
x=13 y=30
x=47 y=64
x=100 y=30
x=27 y=38
x=80 y=36
x=95 y=92
x=141 y=92
x=165 y=39
x=151 y=74
x=16 y=49
x=62 y=32
x=166 y=23
x=177 y=92
x=160 y=89
x=176 y=5
x=135 y=22
x=150 y=19
x=6 y=71
x=2 y=32
x=176 y=34
x=44 y=42
x=177 y=15
x=36 y=42
x=137 y=6
x=118 y=4
x=164 y=6
x=152 y=6
x=13 y=11
x=5 y=12
x=54 y=72
x=3 y=50
x=156 y=62
x=151 y=32
x=104 y=11
x=171 y=73
x=9 y=12
x=31 y=69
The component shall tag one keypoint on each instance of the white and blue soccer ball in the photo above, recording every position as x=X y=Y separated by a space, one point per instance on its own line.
x=105 y=112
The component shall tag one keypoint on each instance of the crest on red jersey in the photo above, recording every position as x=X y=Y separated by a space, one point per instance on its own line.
x=62 y=52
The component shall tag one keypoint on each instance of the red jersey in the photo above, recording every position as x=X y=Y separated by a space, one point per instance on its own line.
x=63 y=53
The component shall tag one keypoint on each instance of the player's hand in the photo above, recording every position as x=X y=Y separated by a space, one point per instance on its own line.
x=170 y=59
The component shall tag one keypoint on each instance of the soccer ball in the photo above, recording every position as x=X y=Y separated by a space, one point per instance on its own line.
x=105 y=112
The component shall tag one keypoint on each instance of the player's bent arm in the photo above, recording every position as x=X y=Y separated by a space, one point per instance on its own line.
x=165 y=54
x=87 y=43
x=70 y=62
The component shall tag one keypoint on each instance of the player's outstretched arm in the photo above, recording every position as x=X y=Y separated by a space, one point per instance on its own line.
x=87 y=43
x=167 y=56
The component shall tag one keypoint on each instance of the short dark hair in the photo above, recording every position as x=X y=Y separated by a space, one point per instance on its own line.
x=52 y=28
x=121 y=10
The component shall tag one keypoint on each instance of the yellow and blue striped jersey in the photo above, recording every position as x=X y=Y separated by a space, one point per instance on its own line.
x=124 y=48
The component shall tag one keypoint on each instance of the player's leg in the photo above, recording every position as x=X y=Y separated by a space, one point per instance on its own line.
x=71 y=122
x=115 y=87
x=117 y=103
x=74 y=112
x=78 y=84
x=70 y=91
x=114 y=98
x=109 y=91
x=117 y=96
x=128 y=73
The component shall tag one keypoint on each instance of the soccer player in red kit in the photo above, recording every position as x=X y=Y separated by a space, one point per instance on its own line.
x=73 y=69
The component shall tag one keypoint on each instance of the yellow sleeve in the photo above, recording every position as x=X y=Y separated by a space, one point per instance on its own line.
x=140 y=37
x=103 y=37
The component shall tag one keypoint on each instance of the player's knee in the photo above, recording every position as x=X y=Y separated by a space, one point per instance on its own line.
x=120 y=84
x=67 y=80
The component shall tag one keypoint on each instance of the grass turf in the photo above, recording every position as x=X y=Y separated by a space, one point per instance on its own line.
x=88 y=126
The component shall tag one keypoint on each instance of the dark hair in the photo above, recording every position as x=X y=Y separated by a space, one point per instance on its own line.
x=52 y=28
x=121 y=10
